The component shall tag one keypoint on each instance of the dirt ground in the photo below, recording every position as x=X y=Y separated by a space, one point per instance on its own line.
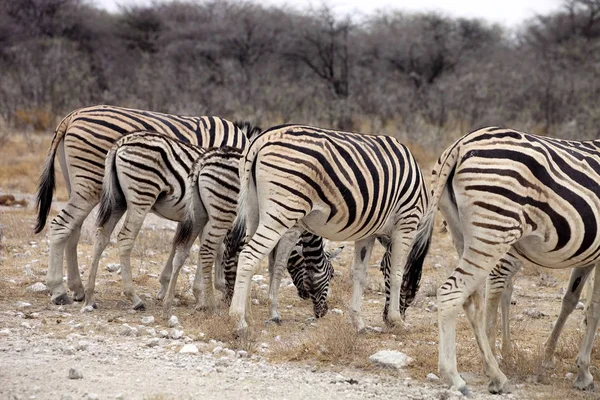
x=301 y=358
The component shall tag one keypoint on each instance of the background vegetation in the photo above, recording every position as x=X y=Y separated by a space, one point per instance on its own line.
x=425 y=78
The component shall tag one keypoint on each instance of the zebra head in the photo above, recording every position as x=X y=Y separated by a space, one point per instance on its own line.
x=233 y=244
x=319 y=271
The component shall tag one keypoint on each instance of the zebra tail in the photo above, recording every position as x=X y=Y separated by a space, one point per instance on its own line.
x=47 y=181
x=112 y=197
x=442 y=173
x=192 y=203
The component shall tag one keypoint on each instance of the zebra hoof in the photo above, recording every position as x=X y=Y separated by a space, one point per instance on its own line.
x=79 y=297
x=139 y=307
x=62 y=299
x=276 y=320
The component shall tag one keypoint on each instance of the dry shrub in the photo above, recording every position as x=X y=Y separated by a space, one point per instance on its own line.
x=333 y=339
x=37 y=119
x=524 y=362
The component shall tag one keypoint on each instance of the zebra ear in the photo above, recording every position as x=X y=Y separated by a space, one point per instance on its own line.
x=334 y=253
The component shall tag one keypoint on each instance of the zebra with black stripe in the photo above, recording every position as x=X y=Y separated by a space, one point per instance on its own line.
x=149 y=172
x=338 y=185
x=81 y=141
x=535 y=198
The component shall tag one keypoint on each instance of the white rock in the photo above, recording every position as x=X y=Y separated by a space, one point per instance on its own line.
x=217 y=350
x=229 y=353
x=5 y=332
x=431 y=307
x=151 y=332
x=176 y=334
x=22 y=304
x=255 y=302
x=432 y=377
x=152 y=342
x=92 y=396
x=68 y=350
x=242 y=354
x=26 y=325
x=38 y=287
x=337 y=311
x=82 y=345
x=391 y=358
x=580 y=306
x=164 y=333
x=173 y=321
x=113 y=267
x=87 y=309
x=189 y=349
x=377 y=329
x=127 y=330
x=148 y=320
x=258 y=278
x=74 y=374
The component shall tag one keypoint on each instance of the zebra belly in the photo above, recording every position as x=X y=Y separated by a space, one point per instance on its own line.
x=170 y=209
x=316 y=222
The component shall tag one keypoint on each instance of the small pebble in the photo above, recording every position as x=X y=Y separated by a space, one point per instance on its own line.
x=148 y=320
x=74 y=374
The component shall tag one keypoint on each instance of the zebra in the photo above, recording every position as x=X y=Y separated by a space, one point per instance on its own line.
x=503 y=191
x=81 y=141
x=149 y=172
x=311 y=270
x=338 y=185
x=145 y=172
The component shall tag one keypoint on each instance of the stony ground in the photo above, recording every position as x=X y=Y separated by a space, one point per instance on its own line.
x=119 y=353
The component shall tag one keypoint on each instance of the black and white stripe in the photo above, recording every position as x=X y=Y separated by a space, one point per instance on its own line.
x=508 y=194
x=81 y=141
x=338 y=185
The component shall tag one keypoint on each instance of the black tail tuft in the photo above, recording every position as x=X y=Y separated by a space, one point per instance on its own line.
x=184 y=231
x=414 y=267
x=249 y=130
x=45 y=193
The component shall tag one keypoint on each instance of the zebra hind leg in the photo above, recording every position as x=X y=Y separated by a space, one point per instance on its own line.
x=63 y=227
x=277 y=269
x=100 y=242
x=362 y=253
x=460 y=290
x=585 y=380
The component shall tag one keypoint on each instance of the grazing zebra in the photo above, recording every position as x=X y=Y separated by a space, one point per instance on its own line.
x=311 y=270
x=149 y=172
x=338 y=185
x=82 y=140
x=502 y=192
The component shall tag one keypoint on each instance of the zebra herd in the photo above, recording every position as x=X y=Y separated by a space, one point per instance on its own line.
x=505 y=197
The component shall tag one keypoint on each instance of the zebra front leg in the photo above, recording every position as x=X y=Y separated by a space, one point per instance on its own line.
x=165 y=275
x=589 y=289
x=362 y=253
x=101 y=240
x=505 y=309
x=62 y=227
x=277 y=267
x=569 y=302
